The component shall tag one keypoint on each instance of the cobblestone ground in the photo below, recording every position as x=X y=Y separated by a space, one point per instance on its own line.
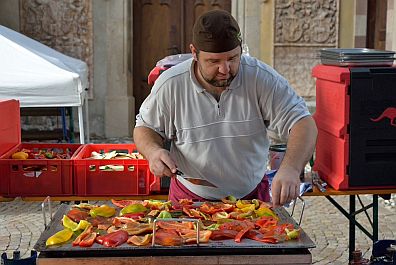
x=21 y=223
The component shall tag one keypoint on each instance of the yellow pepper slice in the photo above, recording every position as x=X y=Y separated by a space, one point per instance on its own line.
x=59 y=238
x=82 y=225
x=292 y=234
x=249 y=208
x=133 y=208
x=103 y=210
x=263 y=211
x=69 y=223
x=243 y=204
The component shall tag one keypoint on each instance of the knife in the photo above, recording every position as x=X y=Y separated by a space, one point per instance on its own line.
x=195 y=181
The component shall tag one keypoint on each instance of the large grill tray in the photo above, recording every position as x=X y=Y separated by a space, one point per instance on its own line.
x=220 y=247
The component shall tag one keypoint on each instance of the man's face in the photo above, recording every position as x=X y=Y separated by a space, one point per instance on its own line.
x=219 y=69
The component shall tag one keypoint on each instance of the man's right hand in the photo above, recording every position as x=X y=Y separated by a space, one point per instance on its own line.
x=161 y=163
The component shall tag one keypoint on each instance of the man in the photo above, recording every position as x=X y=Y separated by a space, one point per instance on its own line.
x=218 y=110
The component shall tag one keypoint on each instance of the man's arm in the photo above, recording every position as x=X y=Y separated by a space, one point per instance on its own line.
x=300 y=146
x=150 y=145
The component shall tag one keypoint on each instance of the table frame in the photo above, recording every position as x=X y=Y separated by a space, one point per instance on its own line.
x=351 y=214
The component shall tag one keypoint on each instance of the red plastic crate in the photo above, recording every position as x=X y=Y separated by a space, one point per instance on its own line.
x=354 y=150
x=10 y=134
x=38 y=177
x=134 y=179
x=331 y=117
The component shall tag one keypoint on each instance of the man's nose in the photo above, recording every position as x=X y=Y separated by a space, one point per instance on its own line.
x=224 y=67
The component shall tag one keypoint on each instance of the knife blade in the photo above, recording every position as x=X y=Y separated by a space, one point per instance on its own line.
x=195 y=181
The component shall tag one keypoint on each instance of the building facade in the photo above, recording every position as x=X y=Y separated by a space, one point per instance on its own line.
x=121 y=40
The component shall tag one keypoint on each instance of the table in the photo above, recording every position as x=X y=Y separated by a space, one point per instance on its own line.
x=351 y=214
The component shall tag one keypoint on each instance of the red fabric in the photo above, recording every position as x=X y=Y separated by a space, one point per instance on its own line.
x=155 y=73
x=178 y=191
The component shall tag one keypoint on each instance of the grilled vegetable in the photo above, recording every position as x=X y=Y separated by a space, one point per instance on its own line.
x=103 y=210
x=133 y=208
x=60 y=237
x=113 y=239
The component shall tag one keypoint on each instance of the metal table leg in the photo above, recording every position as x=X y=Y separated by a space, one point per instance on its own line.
x=352 y=221
x=375 y=218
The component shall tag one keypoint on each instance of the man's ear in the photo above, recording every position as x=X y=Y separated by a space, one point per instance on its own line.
x=194 y=52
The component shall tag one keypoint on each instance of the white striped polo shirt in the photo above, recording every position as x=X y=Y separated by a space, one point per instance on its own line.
x=224 y=142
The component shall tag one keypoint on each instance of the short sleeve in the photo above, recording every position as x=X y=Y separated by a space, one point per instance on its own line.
x=283 y=109
x=153 y=114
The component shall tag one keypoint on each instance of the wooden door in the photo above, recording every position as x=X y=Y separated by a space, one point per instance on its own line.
x=161 y=28
x=376 y=24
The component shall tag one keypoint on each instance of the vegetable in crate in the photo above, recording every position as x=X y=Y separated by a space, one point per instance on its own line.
x=20 y=155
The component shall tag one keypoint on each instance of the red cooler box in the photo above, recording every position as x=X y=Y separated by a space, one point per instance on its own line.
x=112 y=177
x=355 y=115
x=40 y=176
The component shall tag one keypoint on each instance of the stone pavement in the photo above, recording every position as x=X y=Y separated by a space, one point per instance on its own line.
x=21 y=223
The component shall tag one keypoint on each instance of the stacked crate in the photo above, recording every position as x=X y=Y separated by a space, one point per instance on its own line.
x=356 y=145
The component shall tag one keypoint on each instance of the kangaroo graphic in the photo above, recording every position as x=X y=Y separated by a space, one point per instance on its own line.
x=389 y=113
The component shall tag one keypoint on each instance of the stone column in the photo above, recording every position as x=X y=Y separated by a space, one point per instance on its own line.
x=247 y=13
x=119 y=104
x=391 y=26
x=9 y=14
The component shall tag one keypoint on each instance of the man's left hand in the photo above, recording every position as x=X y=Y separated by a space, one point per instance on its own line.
x=285 y=186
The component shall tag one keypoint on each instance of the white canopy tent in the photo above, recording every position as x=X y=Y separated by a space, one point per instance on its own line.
x=39 y=76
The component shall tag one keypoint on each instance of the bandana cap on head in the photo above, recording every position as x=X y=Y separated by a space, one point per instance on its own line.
x=216 y=31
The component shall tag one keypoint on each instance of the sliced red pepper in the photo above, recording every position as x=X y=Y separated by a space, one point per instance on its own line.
x=87 y=231
x=113 y=239
x=123 y=203
x=88 y=240
x=135 y=216
x=266 y=221
x=223 y=234
x=77 y=215
x=256 y=235
x=211 y=208
x=241 y=233
x=192 y=213
x=168 y=237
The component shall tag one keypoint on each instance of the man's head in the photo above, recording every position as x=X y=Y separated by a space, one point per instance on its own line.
x=216 y=31
x=217 y=47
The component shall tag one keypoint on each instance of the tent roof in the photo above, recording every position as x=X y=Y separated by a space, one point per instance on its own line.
x=37 y=75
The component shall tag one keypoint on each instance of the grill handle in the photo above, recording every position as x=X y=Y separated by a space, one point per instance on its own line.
x=302 y=208
x=48 y=201
x=196 y=221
